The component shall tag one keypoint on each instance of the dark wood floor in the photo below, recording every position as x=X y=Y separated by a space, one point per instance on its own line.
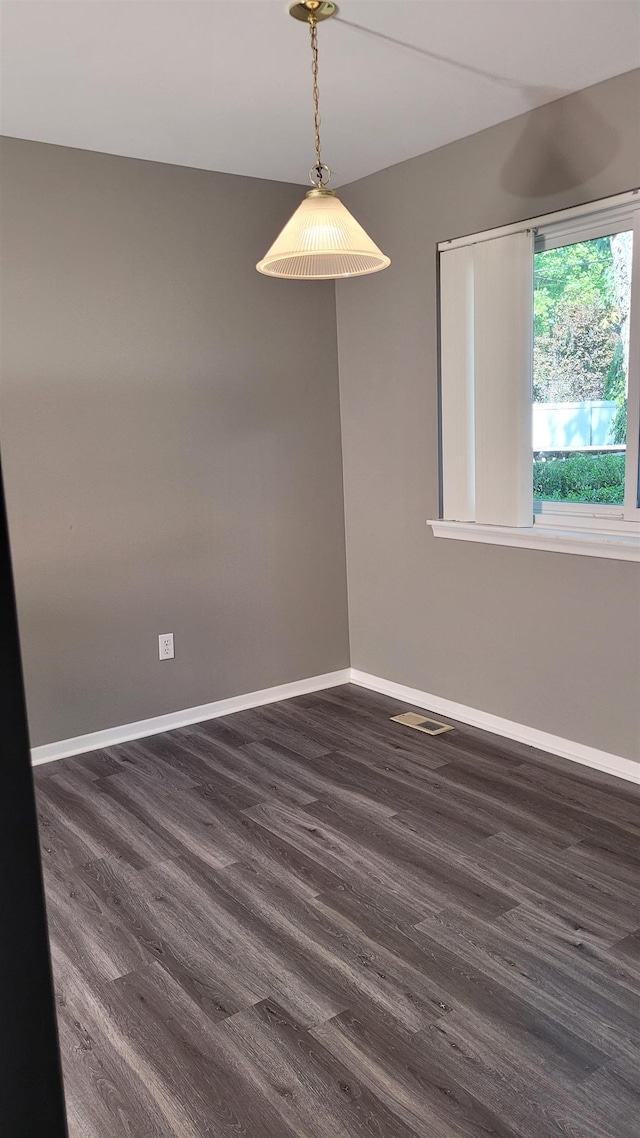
x=306 y=920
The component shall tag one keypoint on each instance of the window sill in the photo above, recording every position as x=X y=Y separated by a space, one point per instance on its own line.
x=589 y=544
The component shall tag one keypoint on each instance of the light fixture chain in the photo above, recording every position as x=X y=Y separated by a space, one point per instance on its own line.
x=313 y=27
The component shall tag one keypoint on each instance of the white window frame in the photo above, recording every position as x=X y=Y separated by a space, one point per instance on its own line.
x=599 y=530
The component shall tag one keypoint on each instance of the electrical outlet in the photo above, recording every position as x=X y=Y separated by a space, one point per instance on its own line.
x=165 y=646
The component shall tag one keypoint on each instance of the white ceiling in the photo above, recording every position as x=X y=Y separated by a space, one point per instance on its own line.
x=226 y=85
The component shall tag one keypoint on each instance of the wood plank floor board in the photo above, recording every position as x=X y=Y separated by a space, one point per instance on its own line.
x=100 y=825
x=185 y=944
x=143 y=1097
x=207 y=828
x=250 y=773
x=535 y=873
x=224 y=932
x=479 y=1063
x=614 y=808
x=582 y=859
x=225 y=929
x=303 y=872
x=356 y=968
x=442 y=818
x=377 y=782
x=194 y=756
x=103 y=1094
x=430 y=854
x=560 y=943
x=613 y=1094
x=538 y=871
x=60 y=843
x=328 y=775
x=268 y=724
x=87 y=930
x=371 y=870
x=628 y=949
x=362 y=740
x=474 y=803
x=561 y=995
x=584 y=826
x=306 y=1081
x=472 y=991
x=147 y=759
x=391 y=1065
x=229 y=730
x=212 y=1087
x=225 y=794
x=139 y=811
x=304 y=921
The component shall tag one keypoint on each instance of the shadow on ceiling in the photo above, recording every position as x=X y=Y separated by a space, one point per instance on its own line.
x=566 y=143
x=563 y=145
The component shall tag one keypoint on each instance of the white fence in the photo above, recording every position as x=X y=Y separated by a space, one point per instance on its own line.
x=573 y=426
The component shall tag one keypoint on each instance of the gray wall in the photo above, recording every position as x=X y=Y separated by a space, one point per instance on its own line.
x=171 y=439
x=171 y=435
x=546 y=639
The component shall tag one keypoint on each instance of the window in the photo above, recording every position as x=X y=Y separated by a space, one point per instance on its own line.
x=581 y=305
x=539 y=378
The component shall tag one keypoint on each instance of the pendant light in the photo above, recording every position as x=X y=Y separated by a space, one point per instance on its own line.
x=322 y=241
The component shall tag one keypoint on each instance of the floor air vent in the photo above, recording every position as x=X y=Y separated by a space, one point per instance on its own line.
x=420 y=723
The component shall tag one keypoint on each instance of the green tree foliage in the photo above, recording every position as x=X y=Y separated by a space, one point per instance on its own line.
x=574 y=274
x=573 y=361
x=577 y=346
x=615 y=388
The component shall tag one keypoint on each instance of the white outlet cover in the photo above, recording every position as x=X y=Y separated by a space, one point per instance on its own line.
x=165 y=646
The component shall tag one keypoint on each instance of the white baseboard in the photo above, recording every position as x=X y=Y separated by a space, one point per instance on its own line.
x=554 y=744
x=113 y=735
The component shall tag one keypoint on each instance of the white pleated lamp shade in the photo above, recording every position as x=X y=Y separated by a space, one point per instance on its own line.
x=322 y=241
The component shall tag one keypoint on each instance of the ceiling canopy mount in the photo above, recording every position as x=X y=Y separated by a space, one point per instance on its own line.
x=317 y=10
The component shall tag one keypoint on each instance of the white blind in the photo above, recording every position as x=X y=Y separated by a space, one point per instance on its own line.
x=457 y=403
x=486 y=330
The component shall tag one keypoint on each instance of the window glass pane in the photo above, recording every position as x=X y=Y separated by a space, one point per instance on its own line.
x=580 y=370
